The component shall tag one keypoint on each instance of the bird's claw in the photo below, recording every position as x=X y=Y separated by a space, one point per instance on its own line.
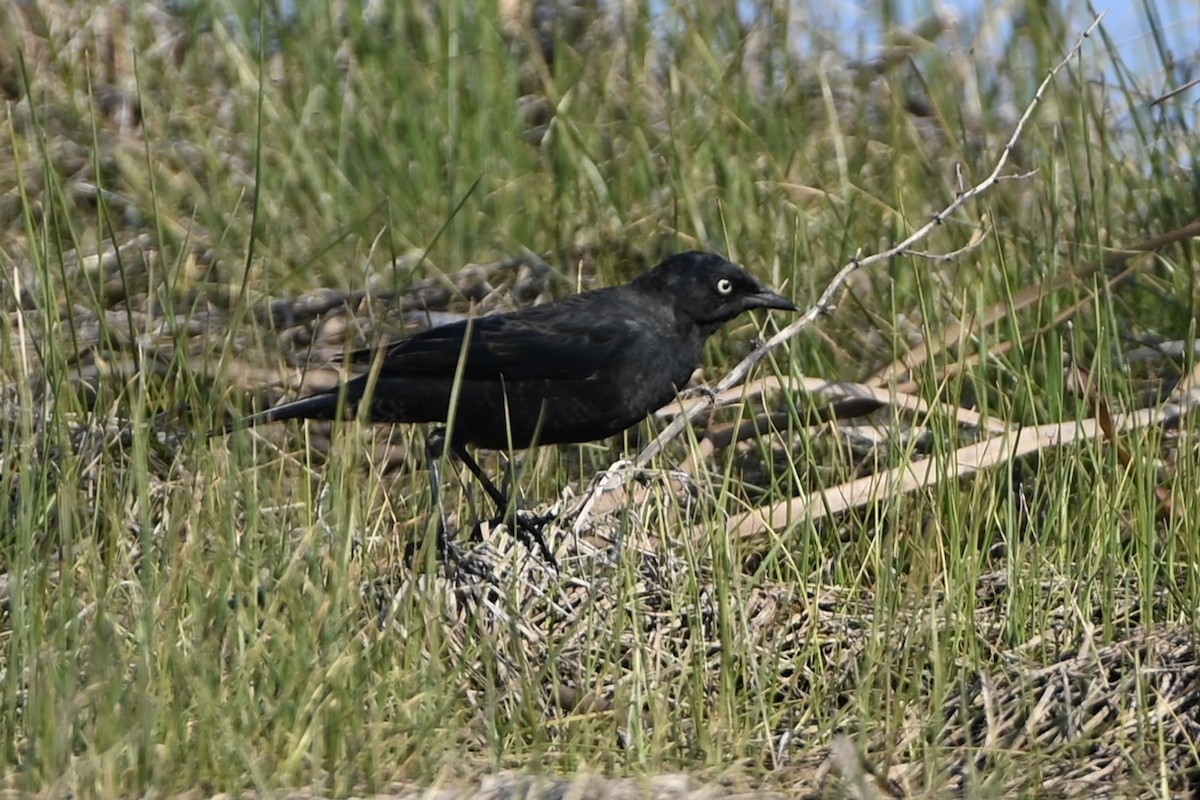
x=460 y=562
x=528 y=530
x=532 y=525
x=455 y=559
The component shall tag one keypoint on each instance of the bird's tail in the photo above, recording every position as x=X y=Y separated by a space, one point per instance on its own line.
x=319 y=406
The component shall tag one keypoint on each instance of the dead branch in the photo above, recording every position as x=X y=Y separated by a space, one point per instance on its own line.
x=929 y=472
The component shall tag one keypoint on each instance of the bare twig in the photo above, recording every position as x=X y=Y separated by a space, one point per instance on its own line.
x=1175 y=92
x=976 y=239
x=826 y=303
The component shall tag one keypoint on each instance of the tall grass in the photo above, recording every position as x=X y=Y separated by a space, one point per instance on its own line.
x=224 y=615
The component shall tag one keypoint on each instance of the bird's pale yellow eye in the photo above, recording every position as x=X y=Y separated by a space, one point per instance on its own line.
x=724 y=286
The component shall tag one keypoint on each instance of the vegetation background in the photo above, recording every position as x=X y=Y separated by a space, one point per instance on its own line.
x=201 y=203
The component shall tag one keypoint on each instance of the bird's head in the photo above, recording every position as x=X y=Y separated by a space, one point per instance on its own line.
x=708 y=290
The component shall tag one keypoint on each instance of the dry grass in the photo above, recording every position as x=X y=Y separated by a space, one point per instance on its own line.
x=765 y=608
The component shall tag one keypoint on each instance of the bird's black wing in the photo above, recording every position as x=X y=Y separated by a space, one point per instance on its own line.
x=557 y=344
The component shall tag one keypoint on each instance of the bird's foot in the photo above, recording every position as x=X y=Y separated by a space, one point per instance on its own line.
x=528 y=530
x=457 y=560
x=461 y=563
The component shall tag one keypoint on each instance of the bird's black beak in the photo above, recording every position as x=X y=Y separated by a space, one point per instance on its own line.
x=765 y=298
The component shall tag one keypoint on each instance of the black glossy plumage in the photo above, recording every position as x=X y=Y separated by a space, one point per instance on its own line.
x=583 y=368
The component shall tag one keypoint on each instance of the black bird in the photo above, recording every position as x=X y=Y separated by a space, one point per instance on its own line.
x=579 y=369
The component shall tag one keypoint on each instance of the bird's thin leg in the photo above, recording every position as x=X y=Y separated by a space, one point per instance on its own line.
x=498 y=497
x=531 y=529
x=435 y=445
x=512 y=491
x=453 y=556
